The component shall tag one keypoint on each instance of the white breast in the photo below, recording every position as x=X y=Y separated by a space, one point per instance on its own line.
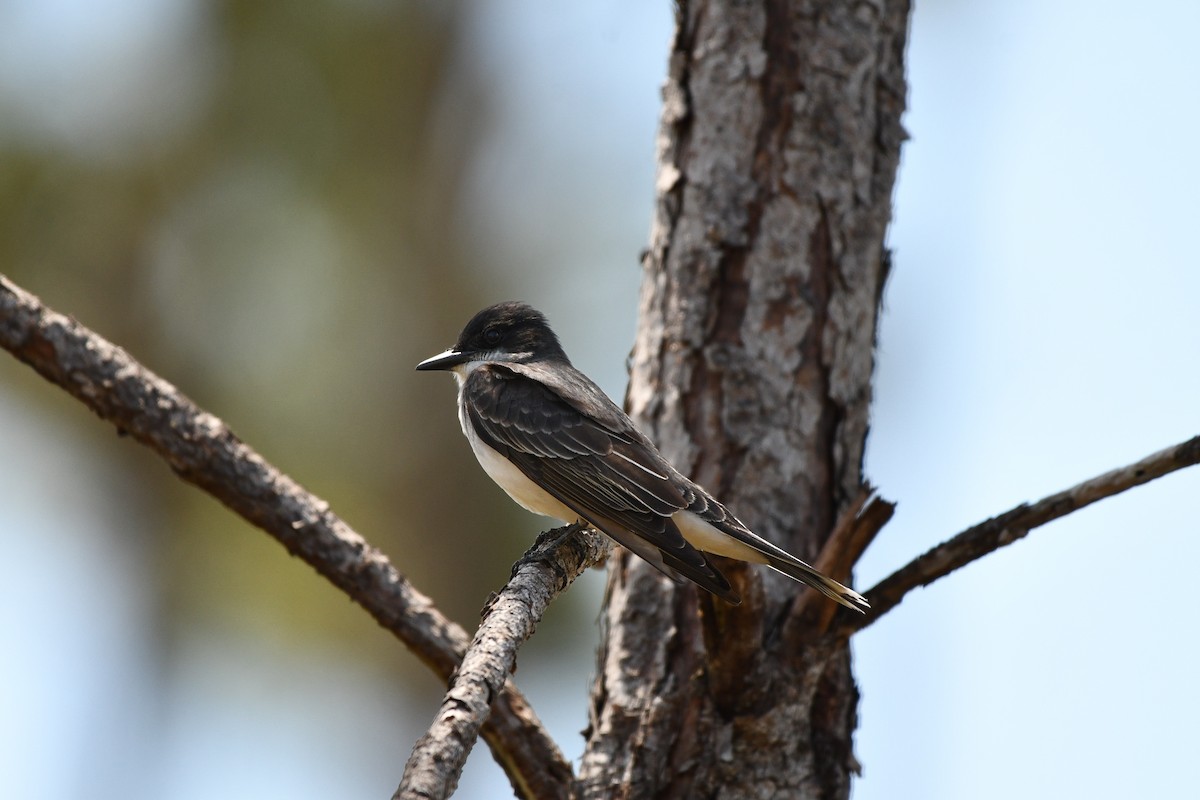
x=525 y=492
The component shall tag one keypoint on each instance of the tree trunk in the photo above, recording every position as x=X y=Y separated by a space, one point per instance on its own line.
x=778 y=150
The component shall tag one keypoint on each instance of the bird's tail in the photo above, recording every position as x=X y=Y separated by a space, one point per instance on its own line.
x=797 y=570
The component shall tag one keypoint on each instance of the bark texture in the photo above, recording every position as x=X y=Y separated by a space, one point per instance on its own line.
x=778 y=149
x=557 y=558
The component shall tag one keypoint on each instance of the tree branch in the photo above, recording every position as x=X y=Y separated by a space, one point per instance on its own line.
x=992 y=534
x=857 y=527
x=204 y=452
x=556 y=559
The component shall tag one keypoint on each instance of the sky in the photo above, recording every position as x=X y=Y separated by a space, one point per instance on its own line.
x=1040 y=328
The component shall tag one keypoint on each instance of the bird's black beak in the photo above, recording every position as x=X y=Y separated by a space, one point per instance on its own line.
x=447 y=360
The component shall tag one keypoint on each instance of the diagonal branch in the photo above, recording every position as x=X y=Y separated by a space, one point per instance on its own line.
x=557 y=558
x=204 y=452
x=992 y=534
x=857 y=527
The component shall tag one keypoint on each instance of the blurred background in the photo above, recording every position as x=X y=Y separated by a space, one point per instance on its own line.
x=281 y=208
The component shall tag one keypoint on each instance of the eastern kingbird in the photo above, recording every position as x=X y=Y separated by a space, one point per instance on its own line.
x=558 y=446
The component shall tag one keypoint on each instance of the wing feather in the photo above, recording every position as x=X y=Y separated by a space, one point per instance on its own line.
x=592 y=460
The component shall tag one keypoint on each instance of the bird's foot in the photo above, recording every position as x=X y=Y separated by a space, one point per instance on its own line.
x=546 y=544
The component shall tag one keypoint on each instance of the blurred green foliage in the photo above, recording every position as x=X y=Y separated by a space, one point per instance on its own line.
x=283 y=248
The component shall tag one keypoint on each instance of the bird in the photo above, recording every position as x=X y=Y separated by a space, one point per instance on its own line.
x=558 y=446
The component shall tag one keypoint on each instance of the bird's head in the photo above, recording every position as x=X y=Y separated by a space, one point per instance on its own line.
x=509 y=332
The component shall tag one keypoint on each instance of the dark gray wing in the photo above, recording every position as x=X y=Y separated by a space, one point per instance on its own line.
x=586 y=452
x=632 y=458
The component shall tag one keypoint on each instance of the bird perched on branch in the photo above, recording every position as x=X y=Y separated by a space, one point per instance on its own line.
x=558 y=446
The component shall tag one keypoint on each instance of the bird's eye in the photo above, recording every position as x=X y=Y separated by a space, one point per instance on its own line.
x=492 y=336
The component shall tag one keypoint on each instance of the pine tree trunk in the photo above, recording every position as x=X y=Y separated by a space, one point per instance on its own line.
x=778 y=150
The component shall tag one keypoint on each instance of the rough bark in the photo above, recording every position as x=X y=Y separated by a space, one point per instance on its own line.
x=556 y=559
x=778 y=150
